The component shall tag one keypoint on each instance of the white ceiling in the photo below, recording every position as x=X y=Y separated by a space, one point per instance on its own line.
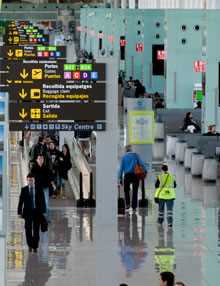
x=182 y=4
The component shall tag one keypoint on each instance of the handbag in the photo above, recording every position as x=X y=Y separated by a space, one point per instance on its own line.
x=139 y=172
x=156 y=200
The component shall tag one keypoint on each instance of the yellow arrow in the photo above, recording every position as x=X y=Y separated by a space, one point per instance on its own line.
x=9 y=81
x=24 y=74
x=23 y=94
x=23 y=114
x=10 y=53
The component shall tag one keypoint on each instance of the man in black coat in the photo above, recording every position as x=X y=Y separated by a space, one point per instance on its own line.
x=44 y=179
x=31 y=207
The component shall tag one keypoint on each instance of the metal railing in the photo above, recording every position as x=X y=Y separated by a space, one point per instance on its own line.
x=80 y=176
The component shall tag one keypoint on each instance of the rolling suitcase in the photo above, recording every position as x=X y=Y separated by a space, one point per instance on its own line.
x=121 y=203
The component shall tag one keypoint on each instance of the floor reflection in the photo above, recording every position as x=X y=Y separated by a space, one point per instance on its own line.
x=37 y=272
x=85 y=223
x=68 y=252
x=164 y=252
x=133 y=248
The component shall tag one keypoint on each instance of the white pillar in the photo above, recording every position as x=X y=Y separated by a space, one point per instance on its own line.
x=123 y=4
x=106 y=184
x=132 y=4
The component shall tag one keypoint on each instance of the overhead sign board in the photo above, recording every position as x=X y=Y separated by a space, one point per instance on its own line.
x=18 y=33
x=66 y=91
x=32 y=52
x=59 y=126
x=40 y=93
x=56 y=111
x=29 y=71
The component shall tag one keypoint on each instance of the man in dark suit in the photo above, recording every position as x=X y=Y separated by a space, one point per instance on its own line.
x=31 y=207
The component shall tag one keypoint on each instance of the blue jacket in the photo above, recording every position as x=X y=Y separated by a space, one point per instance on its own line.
x=128 y=163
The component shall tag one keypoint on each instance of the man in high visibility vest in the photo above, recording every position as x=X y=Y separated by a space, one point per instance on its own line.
x=165 y=195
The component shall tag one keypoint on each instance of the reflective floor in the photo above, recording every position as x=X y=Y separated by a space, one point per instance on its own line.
x=137 y=252
x=76 y=251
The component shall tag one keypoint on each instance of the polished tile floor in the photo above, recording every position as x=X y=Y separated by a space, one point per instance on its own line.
x=68 y=252
x=134 y=249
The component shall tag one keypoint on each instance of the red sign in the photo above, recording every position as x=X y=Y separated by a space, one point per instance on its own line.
x=161 y=55
x=123 y=43
x=199 y=66
x=139 y=47
x=76 y=75
x=110 y=38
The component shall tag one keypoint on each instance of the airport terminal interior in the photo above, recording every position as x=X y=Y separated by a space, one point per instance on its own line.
x=99 y=99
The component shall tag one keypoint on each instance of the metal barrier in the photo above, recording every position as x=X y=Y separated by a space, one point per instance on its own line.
x=90 y=201
x=80 y=202
x=81 y=178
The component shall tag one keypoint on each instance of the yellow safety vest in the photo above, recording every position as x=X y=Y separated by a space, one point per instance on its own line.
x=167 y=191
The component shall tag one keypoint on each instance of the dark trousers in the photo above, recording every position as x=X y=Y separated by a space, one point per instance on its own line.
x=32 y=229
x=131 y=179
x=161 y=208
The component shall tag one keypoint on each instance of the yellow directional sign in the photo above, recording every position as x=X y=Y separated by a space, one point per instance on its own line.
x=37 y=73
x=10 y=53
x=23 y=114
x=22 y=93
x=16 y=40
x=35 y=113
x=24 y=74
x=35 y=93
x=18 y=53
x=9 y=81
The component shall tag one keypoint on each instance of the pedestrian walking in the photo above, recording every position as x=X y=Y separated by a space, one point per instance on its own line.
x=64 y=166
x=43 y=179
x=130 y=172
x=31 y=208
x=165 y=195
x=167 y=279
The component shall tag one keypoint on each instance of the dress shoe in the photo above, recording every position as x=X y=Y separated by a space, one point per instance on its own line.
x=35 y=250
x=30 y=249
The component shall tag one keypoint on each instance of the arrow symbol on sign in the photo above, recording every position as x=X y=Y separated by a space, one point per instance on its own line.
x=24 y=74
x=23 y=94
x=9 y=81
x=23 y=114
x=10 y=53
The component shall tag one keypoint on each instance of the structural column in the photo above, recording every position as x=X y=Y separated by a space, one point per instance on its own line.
x=106 y=184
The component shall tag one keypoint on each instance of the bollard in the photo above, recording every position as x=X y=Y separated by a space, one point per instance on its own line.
x=80 y=203
x=90 y=202
x=143 y=203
